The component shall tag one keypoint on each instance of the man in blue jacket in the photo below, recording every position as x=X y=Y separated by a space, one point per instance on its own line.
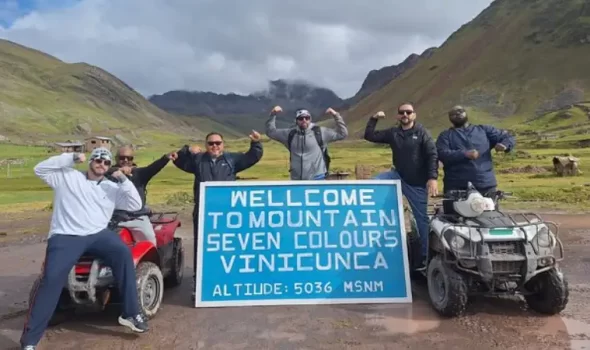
x=465 y=151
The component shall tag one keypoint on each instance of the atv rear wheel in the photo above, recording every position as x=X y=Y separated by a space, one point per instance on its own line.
x=177 y=272
x=446 y=288
x=60 y=314
x=150 y=288
x=551 y=293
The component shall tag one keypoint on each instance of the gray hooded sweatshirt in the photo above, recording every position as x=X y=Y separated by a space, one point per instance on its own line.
x=306 y=157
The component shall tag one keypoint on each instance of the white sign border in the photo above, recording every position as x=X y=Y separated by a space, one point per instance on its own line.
x=199 y=303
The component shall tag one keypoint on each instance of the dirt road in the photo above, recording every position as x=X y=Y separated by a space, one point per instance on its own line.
x=490 y=324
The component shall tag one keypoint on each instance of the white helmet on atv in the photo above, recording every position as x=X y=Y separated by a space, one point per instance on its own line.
x=474 y=205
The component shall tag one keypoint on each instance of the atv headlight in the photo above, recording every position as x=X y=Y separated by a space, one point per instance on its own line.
x=455 y=241
x=543 y=238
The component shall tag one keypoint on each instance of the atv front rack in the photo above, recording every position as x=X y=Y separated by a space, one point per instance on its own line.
x=504 y=256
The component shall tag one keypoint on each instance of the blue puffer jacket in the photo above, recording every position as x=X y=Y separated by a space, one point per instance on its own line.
x=458 y=169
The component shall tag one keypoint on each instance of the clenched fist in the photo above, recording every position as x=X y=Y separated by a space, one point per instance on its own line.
x=276 y=110
x=500 y=147
x=379 y=115
x=79 y=157
x=255 y=136
x=172 y=156
x=125 y=170
x=332 y=112
x=119 y=175
x=473 y=154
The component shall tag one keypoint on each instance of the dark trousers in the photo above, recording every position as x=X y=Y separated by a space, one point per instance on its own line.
x=417 y=197
x=62 y=253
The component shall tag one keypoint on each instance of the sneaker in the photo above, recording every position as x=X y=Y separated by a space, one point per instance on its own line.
x=137 y=324
x=29 y=347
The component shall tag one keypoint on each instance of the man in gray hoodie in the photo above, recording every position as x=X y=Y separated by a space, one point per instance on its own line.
x=307 y=143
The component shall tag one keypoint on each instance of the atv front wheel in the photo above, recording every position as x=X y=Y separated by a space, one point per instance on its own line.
x=177 y=272
x=446 y=288
x=150 y=288
x=551 y=293
x=60 y=314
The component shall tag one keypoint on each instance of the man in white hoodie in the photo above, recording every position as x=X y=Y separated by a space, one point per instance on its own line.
x=82 y=208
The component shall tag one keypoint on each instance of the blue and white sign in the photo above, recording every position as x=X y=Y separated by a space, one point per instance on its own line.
x=295 y=242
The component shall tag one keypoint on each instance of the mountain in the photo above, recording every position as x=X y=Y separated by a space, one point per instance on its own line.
x=43 y=99
x=516 y=62
x=245 y=112
x=378 y=78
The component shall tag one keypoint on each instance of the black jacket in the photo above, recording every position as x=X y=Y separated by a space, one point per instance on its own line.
x=413 y=151
x=140 y=177
x=224 y=168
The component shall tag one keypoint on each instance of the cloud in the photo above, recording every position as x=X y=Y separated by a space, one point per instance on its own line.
x=237 y=46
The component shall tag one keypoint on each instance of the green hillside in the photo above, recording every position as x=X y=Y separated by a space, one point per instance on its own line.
x=43 y=99
x=514 y=65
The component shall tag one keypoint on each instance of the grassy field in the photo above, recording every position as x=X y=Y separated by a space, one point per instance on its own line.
x=535 y=187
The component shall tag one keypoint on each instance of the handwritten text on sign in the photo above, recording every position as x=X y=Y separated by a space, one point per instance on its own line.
x=294 y=242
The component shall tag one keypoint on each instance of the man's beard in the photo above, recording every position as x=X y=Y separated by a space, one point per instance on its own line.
x=94 y=173
x=406 y=121
x=458 y=123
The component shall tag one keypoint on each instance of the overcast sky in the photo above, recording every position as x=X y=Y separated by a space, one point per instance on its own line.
x=234 y=46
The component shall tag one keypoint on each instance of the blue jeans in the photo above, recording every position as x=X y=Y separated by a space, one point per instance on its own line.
x=62 y=253
x=417 y=197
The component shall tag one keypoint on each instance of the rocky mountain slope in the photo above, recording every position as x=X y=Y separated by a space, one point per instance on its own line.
x=245 y=112
x=45 y=99
x=518 y=61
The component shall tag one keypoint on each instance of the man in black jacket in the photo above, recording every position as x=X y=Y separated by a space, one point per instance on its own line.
x=415 y=163
x=140 y=177
x=214 y=165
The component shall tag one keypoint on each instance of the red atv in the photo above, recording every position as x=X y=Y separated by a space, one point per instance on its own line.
x=91 y=284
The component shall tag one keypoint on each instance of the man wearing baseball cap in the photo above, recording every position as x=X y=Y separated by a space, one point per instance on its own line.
x=307 y=143
x=465 y=151
x=82 y=208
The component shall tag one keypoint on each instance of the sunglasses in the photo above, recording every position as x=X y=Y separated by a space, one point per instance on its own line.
x=102 y=161
x=407 y=112
x=303 y=118
x=126 y=158
x=216 y=143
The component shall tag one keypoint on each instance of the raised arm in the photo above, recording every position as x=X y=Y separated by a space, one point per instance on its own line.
x=381 y=136
x=339 y=133
x=445 y=154
x=252 y=156
x=53 y=170
x=279 y=135
x=146 y=173
x=497 y=136
x=186 y=160
x=127 y=198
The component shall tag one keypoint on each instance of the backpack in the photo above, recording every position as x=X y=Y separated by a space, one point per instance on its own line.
x=317 y=132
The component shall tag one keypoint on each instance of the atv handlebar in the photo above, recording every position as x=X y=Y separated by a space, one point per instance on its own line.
x=462 y=194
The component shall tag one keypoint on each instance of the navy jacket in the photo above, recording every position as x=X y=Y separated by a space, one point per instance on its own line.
x=413 y=152
x=224 y=168
x=458 y=169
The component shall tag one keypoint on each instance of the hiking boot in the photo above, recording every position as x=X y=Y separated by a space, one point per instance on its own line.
x=137 y=324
